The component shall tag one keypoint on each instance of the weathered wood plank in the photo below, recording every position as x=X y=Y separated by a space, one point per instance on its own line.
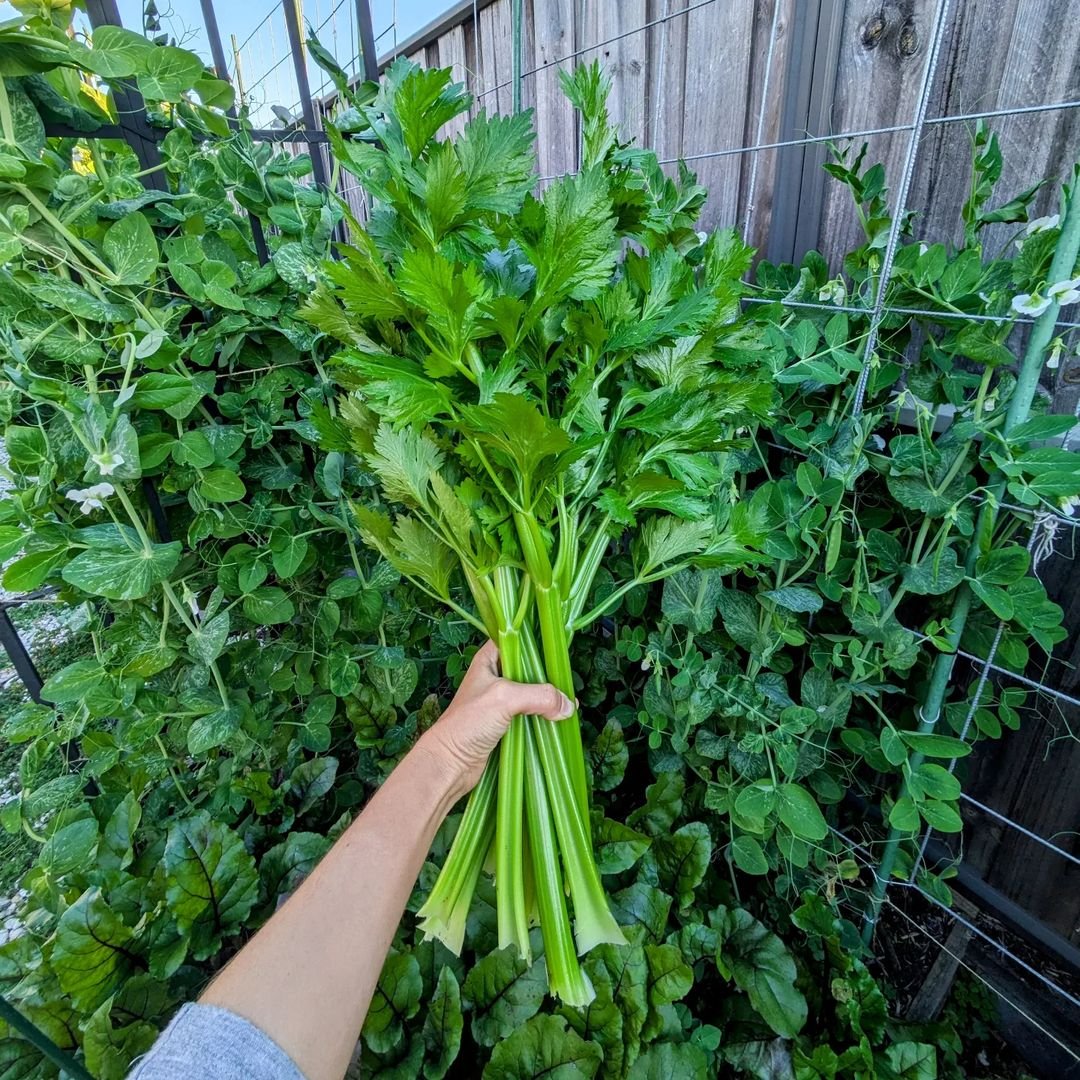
x=667 y=72
x=625 y=60
x=714 y=101
x=553 y=34
x=764 y=115
x=451 y=54
x=883 y=53
x=493 y=58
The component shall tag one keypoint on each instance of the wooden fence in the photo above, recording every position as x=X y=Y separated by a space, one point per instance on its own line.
x=707 y=81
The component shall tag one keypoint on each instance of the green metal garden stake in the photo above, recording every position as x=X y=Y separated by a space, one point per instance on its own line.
x=1061 y=268
x=37 y=1038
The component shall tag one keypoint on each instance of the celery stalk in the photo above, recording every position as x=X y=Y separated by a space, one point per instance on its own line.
x=443 y=915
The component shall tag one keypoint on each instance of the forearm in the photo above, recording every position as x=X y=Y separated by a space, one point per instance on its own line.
x=308 y=976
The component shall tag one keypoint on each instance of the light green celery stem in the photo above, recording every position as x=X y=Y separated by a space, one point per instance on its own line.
x=444 y=914
x=593 y=921
x=509 y=872
x=566 y=979
x=1061 y=268
x=552 y=618
x=585 y=574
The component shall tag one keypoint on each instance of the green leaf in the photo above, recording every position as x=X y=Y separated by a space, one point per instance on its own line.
x=213 y=730
x=221 y=485
x=168 y=72
x=543 y=1047
x=210 y=879
x=311 y=780
x=443 y=1026
x=74 y=682
x=799 y=811
x=642 y=905
x=396 y=999
x=682 y=860
x=268 y=606
x=904 y=815
x=208 y=639
x=70 y=845
x=761 y=966
x=941 y=816
x=912 y=1061
x=92 y=951
x=892 y=746
x=118 y=573
x=160 y=390
x=795 y=598
x=938 y=746
x=937 y=782
x=116 y=850
x=574 y=254
x=131 y=249
x=609 y=756
x=116 y=53
x=503 y=991
x=995 y=598
x=617 y=846
x=668 y=1061
x=749 y=856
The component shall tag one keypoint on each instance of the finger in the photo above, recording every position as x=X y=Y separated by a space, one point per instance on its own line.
x=487 y=658
x=539 y=699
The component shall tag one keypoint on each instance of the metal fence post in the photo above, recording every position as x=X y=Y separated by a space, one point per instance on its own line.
x=307 y=103
x=367 y=40
x=21 y=660
x=130 y=107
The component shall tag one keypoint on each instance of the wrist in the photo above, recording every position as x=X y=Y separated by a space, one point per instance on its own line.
x=447 y=770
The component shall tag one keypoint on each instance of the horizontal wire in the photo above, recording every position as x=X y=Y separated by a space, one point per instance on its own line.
x=853 y=309
x=599 y=45
x=872 y=868
x=985 y=981
x=1000 y=946
x=892 y=129
x=266 y=18
x=1058 y=694
x=1021 y=829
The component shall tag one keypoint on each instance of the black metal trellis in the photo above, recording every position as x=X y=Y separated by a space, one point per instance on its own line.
x=803 y=99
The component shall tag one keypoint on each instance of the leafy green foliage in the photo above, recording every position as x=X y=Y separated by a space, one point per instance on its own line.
x=581 y=357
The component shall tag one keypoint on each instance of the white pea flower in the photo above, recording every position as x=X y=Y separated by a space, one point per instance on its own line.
x=1041 y=224
x=702 y=236
x=1030 y=303
x=923 y=248
x=1069 y=505
x=107 y=462
x=1054 y=359
x=91 y=498
x=1065 y=292
x=832 y=292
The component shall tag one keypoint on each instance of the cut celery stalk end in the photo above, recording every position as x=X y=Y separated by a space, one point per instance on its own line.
x=566 y=979
x=443 y=915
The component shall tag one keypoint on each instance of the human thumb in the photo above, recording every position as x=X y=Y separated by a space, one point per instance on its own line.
x=539 y=699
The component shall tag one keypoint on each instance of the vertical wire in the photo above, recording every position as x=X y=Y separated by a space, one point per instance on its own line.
x=661 y=82
x=885 y=276
x=760 y=137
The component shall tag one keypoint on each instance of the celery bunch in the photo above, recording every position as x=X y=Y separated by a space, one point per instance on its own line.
x=532 y=379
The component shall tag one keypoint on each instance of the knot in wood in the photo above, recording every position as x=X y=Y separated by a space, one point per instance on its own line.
x=874 y=30
x=908 y=40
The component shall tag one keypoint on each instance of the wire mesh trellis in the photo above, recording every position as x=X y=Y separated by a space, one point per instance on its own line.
x=270 y=68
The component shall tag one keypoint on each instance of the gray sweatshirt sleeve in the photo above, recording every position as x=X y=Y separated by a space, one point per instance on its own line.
x=211 y=1043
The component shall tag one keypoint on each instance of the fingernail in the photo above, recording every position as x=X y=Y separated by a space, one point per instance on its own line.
x=567 y=709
